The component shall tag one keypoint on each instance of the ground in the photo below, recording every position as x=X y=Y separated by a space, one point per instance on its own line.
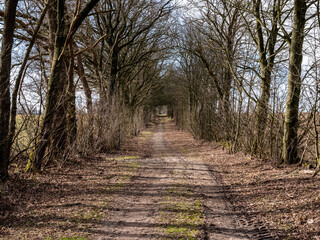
x=162 y=184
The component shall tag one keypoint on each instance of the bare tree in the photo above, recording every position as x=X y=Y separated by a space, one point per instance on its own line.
x=56 y=80
x=291 y=123
x=5 y=67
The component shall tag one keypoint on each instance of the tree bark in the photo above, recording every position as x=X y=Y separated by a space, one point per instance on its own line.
x=85 y=85
x=71 y=103
x=5 y=67
x=228 y=76
x=113 y=73
x=57 y=82
x=52 y=23
x=54 y=90
x=266 y=65
x=291 y=124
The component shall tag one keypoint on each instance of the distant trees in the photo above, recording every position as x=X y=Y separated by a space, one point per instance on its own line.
x=221 y=25
x=111 y=52
x=126 y=63
x=252 y=51
x=232 y=72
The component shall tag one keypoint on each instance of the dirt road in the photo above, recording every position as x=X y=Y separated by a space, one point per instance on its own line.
x=171 y=197
x=162 y=184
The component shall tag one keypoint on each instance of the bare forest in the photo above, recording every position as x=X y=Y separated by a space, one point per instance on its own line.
x=159 y=119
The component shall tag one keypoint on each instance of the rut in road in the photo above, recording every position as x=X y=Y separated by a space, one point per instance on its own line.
x=171 y=197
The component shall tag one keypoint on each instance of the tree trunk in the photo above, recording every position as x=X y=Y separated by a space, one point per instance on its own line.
x=57 y=82
x=59 y=131
x=291 y=124
x=52 y=23
x=262 y=113
x=228 y=76
x=266 y=65
x=226 y=103
x=5 y=67
x=54 y=90
x=19 y=80
x=85 y=85
x=71 y=103
x=113 y=73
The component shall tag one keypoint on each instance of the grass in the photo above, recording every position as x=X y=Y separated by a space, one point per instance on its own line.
x=115 y=187
x=162 y=115
x=24 y=127
x=92 y=216
x=124 y=158
x=167 y=120
x=182 y=217
x=145 y=135
x=135 y=164
x=133 y=167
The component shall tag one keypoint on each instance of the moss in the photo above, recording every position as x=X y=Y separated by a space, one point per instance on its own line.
x=30 y=159
x=92 y=216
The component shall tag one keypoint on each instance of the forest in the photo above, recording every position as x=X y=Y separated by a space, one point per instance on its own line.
x=81 y=79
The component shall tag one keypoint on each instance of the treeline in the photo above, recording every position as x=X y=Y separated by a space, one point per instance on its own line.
x=111 y=53
x=244 y=73
x=248 y=77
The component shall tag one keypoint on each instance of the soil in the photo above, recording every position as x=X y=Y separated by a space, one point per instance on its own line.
x=163 y=184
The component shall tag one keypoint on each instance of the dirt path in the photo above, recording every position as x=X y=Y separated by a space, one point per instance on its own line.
x=171 y=197
x=162 y=184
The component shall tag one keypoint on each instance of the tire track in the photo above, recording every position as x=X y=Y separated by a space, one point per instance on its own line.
x=173 y=197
